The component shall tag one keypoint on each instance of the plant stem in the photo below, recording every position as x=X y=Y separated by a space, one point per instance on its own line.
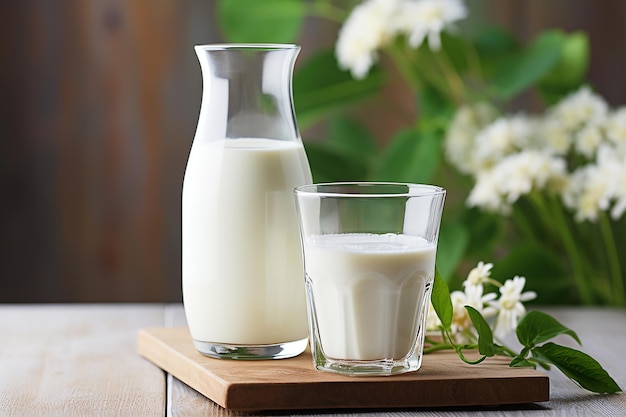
x=328 y=11
x=613 y=259
x=474 y=64
x=510 y=352
x=554 y=220
x=438 y=347
x=525 y=228
x=572 y=249
x=455 y=83
x=494 y=282
x=415 y=72
x=405 y=70
x=459 y=352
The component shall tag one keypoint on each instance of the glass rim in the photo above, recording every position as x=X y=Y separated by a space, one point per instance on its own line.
x=247 y=46
x=411 y=189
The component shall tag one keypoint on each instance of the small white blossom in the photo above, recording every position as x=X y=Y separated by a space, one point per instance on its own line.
x=432 y=320
x=616 y=128
x=501 y=138
x=473 y=297
x=509 y=305
x=612 y=162
x=587 y=193
x=594 y=187
x=485 y=194
x=581 y=108
x=588 y=139
x=467 y=122
x=514 y=176
x=373 y=24
x=556 y=138
x=478 y=275
x=426 y=19
x=367 y=29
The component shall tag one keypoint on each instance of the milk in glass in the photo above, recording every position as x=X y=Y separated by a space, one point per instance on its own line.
x=370 y=292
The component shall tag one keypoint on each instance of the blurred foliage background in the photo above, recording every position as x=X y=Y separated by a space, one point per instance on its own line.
x=478 y=61
x=100 y=102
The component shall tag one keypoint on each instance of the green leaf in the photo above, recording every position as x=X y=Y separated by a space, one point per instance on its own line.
x=453 y=242
x=570 y=69
x=578 y=366
x=455 y=48
x=521 y=71
x=346 y=154
x=321 y=88
x=268 y=21
x=434 y=107
x=485 y=336
x=351 y=138
x=543 y=270
x=411 y=156
x=440 y=298
x=568 y=73
x=494 y=42
x=537 y=327
x=519 y=362
x=328 y=165
x=494 y=47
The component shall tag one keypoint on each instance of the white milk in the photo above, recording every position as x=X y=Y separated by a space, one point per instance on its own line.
x=369 y=292
x=243 y=281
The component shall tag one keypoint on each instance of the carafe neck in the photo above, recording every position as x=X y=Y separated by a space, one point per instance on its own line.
x=247 y=91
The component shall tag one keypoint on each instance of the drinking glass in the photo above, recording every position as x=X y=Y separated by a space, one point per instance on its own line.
x=369 y=260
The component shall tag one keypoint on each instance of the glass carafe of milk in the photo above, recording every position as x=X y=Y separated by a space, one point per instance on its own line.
x=243 y=280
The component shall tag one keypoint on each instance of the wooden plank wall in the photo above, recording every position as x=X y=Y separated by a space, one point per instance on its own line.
x=98 y=109
x=100 y=100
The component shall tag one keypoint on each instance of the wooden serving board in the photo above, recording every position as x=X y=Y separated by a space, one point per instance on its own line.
x=291 y=384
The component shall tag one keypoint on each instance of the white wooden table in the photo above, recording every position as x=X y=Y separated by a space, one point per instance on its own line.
x=81 y=360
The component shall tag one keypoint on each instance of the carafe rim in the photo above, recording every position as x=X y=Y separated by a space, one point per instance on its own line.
x=247 y=46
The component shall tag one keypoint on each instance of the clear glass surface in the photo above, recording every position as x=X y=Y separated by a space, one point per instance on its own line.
x=243 y=286
x=369 y=259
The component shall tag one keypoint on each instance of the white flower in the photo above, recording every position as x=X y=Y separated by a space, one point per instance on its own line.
x=588 y=139
x=595 y=186
x=527 y=170
x=619 y=207
x=514 y=176
x=478 y=275
x=368 y=28
x=581 y=108
x=616 y=128
x=432 y=320
x=467 y=122
x=374 y=23
x=556 y=138
x=509 y=305
x=501 y=138
x=473 y=297
x=612 y=163
x=587 y=193
x=485 y=194
x=426 y=19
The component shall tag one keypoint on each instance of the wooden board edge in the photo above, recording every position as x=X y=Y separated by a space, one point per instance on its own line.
x=150 y=347
x=412 y=394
